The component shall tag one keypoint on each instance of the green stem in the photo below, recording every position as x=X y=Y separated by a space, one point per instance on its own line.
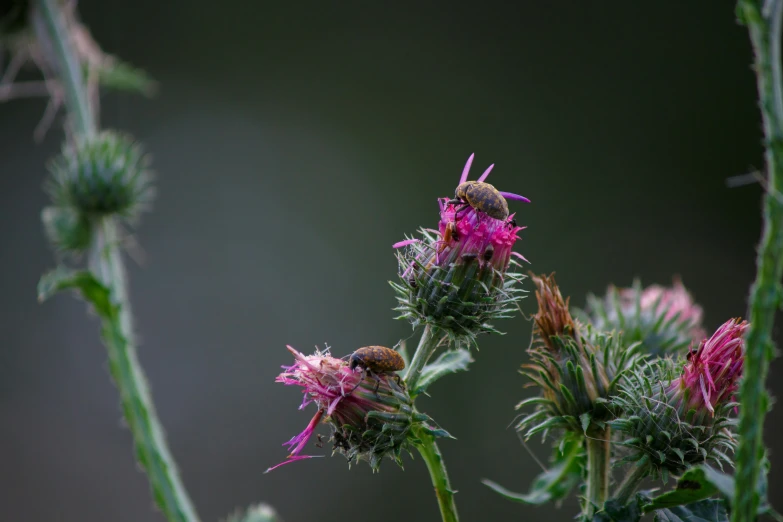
x=106 y=262
x=440 y=477
x=598 y=470
x=764 y=26
x=430 y=338
x=55 y=33
x=631 y=483
x=152 y=451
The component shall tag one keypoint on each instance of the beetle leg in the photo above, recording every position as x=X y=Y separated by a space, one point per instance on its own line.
x=358 y=383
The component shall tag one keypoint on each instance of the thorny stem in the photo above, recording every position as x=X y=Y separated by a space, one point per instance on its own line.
x=67 y=65
x=150 y=443
x=106 y=262
x=440 y=477
x=598 y=470
x=428 y=343
x=764 y=26
x=631 y=482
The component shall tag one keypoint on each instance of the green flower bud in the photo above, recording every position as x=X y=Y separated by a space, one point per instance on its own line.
x=102 y=175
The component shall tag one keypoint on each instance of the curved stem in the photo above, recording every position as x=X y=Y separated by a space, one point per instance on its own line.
x=430 y=338
x=440 y=478
x=631 y=483
x=598 y=466
x=764 y=26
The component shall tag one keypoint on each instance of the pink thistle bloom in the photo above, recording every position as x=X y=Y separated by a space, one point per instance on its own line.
x=456 y=277
x=711 y=376
x=675 y=303
x=370 y=415
x=665 y=319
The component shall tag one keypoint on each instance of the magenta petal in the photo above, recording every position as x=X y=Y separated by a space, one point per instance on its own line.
x=515 y=197
x=466 y=170
x=486 y=173
x=407 y=242
x=289 y=460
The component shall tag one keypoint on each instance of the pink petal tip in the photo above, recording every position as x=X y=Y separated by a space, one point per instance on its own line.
x=466 y=170
x=486 y=173
x=515 y=197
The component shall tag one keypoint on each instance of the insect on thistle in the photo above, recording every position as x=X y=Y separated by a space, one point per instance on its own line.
x=376 y=361
x=482 y=197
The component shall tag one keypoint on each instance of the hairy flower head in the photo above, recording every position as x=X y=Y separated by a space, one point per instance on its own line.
x=371 y=416
x=677 y=414
x=665 y=320
x=461 y=276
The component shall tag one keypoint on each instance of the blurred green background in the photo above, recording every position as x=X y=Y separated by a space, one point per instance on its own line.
x=294 y=143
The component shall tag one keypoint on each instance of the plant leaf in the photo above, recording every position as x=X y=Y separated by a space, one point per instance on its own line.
x=554 y=483
x=694 y=485
x=710 y=510
x=701 y=482
x=451 y=361
x=90 y=288
x=122 y=76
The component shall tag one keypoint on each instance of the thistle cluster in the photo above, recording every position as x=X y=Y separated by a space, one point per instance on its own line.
x=463 y=276
x=638 y=380
x=454 y=280
x=92 y=178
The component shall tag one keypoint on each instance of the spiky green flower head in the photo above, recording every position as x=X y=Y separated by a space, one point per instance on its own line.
x=576 y=367
x=675 y=414
x=371 y=415
x=665 y=320
x=102 y=175
x=462 y=277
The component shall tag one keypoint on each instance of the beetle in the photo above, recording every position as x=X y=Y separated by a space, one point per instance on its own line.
x=483 y=197
x=377 y=360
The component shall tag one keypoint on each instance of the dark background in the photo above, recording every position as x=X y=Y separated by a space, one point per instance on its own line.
x=294 y=143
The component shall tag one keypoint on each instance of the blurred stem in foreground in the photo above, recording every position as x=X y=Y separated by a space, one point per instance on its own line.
x=106 y=263
x=430 y=340
x=764 y=26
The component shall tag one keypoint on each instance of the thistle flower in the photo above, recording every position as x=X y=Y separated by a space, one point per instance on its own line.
x=371 y=416
x=677 y=414
x=576 y=367
x=102 y=175
x=460 y=277
x=665 y=320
